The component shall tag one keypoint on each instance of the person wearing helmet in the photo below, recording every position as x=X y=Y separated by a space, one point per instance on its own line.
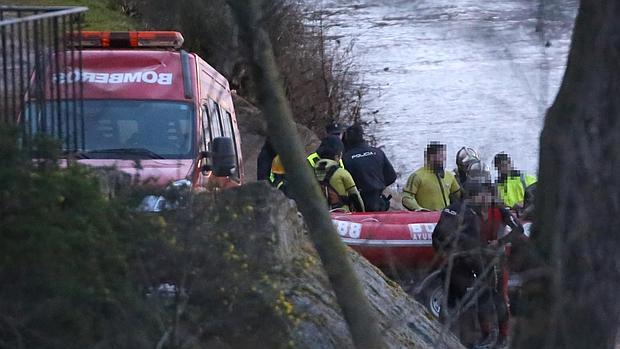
x=474 y=168
x=277 y=177
x=469 y=231
x=464 y=158
x=478 y=168
x=333 y=129
x=370 y=168
x=431 y=188
x=336 y=183
x=512 y=184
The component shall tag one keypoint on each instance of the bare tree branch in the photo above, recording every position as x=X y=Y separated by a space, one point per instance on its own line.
x=303 y=186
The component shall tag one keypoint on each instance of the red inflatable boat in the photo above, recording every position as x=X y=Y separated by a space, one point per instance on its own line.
x=400 y=239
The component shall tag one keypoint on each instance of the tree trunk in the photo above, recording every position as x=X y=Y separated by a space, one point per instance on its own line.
x=302 y=184
x=576 y=304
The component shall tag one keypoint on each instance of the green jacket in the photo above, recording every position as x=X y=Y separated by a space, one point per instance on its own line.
x=341 y=181
x=512 y=189
x=423 y=190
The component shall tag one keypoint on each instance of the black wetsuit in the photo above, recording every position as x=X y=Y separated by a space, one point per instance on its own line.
x=461 y=229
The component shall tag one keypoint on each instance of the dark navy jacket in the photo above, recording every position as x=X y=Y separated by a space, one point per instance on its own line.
x=370 y=168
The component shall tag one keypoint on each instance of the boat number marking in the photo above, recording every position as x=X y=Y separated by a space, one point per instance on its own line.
x=348 y=229
x=421 y=231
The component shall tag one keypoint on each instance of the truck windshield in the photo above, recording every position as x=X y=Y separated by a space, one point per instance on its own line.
x=118 y=129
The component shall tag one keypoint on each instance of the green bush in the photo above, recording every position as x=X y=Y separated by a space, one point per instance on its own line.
x=81 y=270
x=232 y=288
x=66 y=257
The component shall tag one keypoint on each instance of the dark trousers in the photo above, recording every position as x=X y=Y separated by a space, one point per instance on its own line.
x=492 y=301
x=374 y=201
x=491 y=309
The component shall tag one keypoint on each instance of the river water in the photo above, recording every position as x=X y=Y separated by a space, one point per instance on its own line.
x=463 y=72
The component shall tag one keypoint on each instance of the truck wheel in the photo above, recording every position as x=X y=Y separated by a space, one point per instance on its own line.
x=433 y=298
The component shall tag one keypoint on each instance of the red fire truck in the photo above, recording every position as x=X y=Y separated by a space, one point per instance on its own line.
x=143 y=99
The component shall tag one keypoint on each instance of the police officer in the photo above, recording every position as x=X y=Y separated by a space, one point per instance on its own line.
x=370 y=168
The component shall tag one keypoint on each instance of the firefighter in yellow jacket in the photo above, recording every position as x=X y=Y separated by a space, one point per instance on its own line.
x=336 y=183
x=333 y=129
x=431 y=187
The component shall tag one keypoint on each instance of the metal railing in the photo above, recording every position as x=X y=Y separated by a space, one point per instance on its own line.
x=38 y=46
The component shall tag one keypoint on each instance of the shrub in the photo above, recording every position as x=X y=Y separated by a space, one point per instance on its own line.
x=80 y=269
x=66 y=256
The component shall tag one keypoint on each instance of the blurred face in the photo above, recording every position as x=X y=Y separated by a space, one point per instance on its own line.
x=484 y=198
x=437 y=160
x=504 y=167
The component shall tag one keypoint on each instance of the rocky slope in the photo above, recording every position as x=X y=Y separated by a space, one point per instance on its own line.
x=265 y=229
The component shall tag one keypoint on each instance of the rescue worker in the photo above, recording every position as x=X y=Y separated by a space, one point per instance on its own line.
x=431 y=187
x=464 y=157
x=333 y=129
x=277 y=178
x=370 y=169
x=471 y=229
x=264 y=161
x=512 y=184
x=336 y=183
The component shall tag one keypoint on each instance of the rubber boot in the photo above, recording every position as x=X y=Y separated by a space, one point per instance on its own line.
x=490 y=334
x=502 y=340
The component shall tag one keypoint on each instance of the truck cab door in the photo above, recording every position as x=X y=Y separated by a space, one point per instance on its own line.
x=211 y=159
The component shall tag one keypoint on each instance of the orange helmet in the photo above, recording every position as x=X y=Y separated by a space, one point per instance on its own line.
x=276 y=166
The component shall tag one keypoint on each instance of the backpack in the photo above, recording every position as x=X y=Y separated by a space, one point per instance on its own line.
x=331 y=195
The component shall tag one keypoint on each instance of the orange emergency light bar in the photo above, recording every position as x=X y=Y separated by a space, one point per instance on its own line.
x=137 y=39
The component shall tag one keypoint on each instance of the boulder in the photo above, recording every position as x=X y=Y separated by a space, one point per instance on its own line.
x=285 y=298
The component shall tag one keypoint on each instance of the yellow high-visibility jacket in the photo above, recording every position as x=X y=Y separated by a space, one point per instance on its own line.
x=512 y=190
x=314 y=158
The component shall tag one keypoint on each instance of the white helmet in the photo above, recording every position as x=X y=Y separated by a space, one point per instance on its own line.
x=466 y=156
x=477 y=168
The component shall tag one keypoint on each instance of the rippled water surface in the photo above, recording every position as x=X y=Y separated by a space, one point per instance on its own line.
x=463 y=72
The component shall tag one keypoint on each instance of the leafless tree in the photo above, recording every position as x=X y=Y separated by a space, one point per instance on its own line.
x=303 y=186
x=320 y=79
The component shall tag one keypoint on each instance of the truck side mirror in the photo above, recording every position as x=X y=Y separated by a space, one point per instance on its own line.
x=223 y=159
